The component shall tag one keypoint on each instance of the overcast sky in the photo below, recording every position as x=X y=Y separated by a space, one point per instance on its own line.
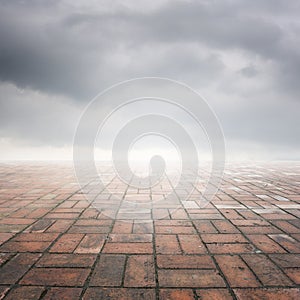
x=242 y=56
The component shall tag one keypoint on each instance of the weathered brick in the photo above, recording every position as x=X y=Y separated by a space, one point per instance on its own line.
x=67 y=243
x=185 y=262
x=143 y=227
x=176 y=294
x=108 y=271
x=5 y=236
x=286 y=242
x=128 y=248
x=63 y=294
x=293 y=274
x=286 y=260
x=190 y=278
x=119 y=293
x=13 y=270
x=174 y=230
x=66 y=260
x=167 y=244
x=267 y=272
x=191 y=244
x=225 y=226
x=140 y=271
x=25 y=246
x=91 y=243
x=265 y=244
x=270 y=293
x=56 y=276
x=214 y=294
x=236 y=271
x=60 y=226
x=223 y=238
x=122 y=227
x=230 y=248
x=25 y=293
x=130 y=238
x=205 y=227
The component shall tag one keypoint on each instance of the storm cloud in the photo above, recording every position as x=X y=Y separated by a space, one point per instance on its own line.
x=243 y=56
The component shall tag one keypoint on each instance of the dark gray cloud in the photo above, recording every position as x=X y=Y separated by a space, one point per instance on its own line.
x=243 y=55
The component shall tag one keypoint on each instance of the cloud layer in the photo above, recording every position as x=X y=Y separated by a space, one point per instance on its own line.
x=243 y=56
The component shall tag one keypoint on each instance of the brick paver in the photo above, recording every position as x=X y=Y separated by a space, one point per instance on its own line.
x=244 y=244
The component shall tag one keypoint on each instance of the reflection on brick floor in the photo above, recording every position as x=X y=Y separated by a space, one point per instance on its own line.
x=245 y=244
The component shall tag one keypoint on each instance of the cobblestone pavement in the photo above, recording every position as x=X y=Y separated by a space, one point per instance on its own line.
x=244 y=244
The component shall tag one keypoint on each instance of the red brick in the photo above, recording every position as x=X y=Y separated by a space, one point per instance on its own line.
x=174 y=230
x=267 y=272
x=56 y=276
x=130 y=238
x=230 y=248
x=286 y=226
x=128 y=248
x=268 y=294
x=293 y=274
x=214 y=294
x=108 y=271
x=67 y=243
x=286 y=242
x=236 y=271
x=122 y=227
x=91 y=243
x=5 y=236
x=254 y=222
x=89 y=229
x=90 y=213
x=167 y=244
x=225 y=226
x=279 y=216
x=63 y=294
x=259 y=229
x=223 y=238
x=66 y=260
x=60 y=226
x=185 y=262
x=62 y=215
x=93 y=222
x=176 y=223
x=17 y=221
x=190 y=278
x=25 y=293
x=25 y=246
x=4 y=228
x=191 y=244
x=286 y=260
x=230 y=214
x=38 y=213
x=143 y=228
x=13 y=270
x=179 y=214
x=205 y=227
x=119 y=294
x=176 y=294
x=40 y=226
x=35 y=237
x=265 y=244
x=140 y=271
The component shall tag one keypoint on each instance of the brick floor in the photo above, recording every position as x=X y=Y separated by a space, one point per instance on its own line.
x=244 y=244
